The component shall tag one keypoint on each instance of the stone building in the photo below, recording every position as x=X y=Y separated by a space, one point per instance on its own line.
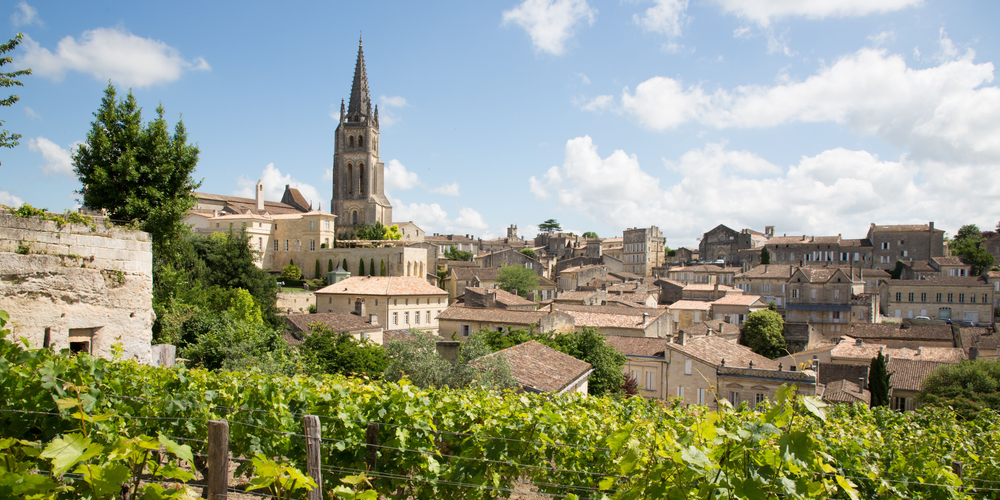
x=723 y=243
x=398 y=302
x=968 y=298
x=77 y=286
x=822 y=298
x=643 y=250
x=459 y=322
x=905 y=242
x=358 y=173
x=820 y=251
x=510 y=257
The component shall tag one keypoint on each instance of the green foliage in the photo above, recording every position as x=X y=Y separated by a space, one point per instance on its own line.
x=763 y=332
x=417 y=360
x=517 y=279
x=591 y=235
x=968 y=243
x=550 y=226
x=326 y=351
x=278 y=478
x=668 y=252
x=329 y=266
x=316 y=272
x=454 y=254
x=765 y=256
x=8 y=79
x=377 y=232
x=530 y=252
x=345 y=264
x=897 y=272
x=291 y=272
x=28 y=211
x=140 y=174
x=381 y=271
x=361 y=266
x=879 y=383
x=371 y=267
x=437 y=442
x=970 y=387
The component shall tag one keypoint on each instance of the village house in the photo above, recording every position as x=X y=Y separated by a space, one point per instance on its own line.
x=967 y=299
x=708 y=292
x=510 y=257
x=460 y=277
x=905 y=242
x=643 y=250
x=511 y=242
x=495 y=298
x=821 y=297
x=768 y=281
x=723 y=243
x=459 y=322
x=735 y=308
x=571 y=278
x=715 y=327
x=703 y=274
x=936 y=267
x=620 y=320
x=367 y=327
x=539 y=368
x=689 y=312
x=583 y=297
x=444 y=242
x=404 y=302
x=820 y=251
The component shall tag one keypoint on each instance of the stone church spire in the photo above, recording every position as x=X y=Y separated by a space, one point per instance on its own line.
x=360 y=103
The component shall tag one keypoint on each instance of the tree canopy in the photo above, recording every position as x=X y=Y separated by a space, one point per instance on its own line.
x=326 y=351
x=517 y=279
x=591 y=235
x=530 y=252
x=765 y=256
x=8 y=79
x=140 y=174
x=968 y=243
x=879 y=383
x=377 y=232
x=763 y=332
x=550 y=226
x=969 y=387
x=455 y=254
x=417 y=359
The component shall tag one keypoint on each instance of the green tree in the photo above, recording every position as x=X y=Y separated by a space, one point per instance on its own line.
x=329 y=266
x=345 y=264
x=9 y=139
x=589 y=345
x=968 y=243
x=517 y=279
x=230 y=263
x=371 y=267
x=291 y=272
x=763 y=333
x=550 y=226
x=878 y=381
x=381 y=271
x=970 y=387
x=316 y=273
x=417 y=360
x=530 y=252
x=765 y=256
x=454 y=254
x=591 y=235
x=668 y=252
x=897 y=272
x=140 y=175
x=327 y=351
x=361 y=266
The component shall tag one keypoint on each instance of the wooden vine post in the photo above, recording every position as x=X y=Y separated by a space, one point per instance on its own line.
x=217 y=476
x=313 y=441
x=372 y=441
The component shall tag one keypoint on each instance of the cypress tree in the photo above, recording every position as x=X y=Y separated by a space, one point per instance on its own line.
x=316 y=274
x=878 y=381
x=329 y=266
x=371 y=267
x=345 y=264
x=382 y=271
x=361 y=266
x=765 y=257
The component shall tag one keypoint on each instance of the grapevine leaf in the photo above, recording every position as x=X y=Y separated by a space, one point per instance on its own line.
x=629 y=461
x=180 y=451
x=104 y=479
x=847 y=486
x=697 y=460
x=617 y=439
x=606 y=483
x=172 y=471
x=815 y=406
x=67 y=403
x=67 y=451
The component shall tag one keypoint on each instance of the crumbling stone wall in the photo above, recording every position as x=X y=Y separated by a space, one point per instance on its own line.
x=77 y=286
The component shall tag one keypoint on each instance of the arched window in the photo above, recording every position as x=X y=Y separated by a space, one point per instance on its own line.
x=354 y=218
x=361 y=178
x=350 y=142
x=350 y=179
x=361 y=141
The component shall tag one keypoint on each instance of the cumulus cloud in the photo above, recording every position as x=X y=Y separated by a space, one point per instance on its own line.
x=434 y=219
x=599 y=103
x=882 y=38
x=394 y=101
x=25 y=15
x=274 y=186
x=666 y=17
x=550 y=23
x=398 y=177
x=447 y=189
x=945 y=112
x=30 y=113
x=110 y=53
x=58 y=161
x=9 y=199
x=764 y=12
x=838 y=191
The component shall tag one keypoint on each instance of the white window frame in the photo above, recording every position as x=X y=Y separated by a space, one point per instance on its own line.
x=687 y=367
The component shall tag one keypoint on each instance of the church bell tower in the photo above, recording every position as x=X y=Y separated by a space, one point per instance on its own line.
x=358 y=173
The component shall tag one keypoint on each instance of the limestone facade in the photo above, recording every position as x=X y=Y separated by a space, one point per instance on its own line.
x=643 y=250
x=76 y=286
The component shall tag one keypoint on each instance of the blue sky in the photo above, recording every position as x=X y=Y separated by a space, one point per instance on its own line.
x=816 y=117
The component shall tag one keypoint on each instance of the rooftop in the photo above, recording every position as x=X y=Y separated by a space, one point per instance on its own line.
x=383 y=286
x=540 y=368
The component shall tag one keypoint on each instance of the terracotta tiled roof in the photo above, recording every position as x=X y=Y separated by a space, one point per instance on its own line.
x=848 y=349
x=903 y=228
x=696 y=287
x=993 y=274
x=705 y=268
x=502 y=297
x=951 y=261
x=846 y=391
x=909 y=375
x=613 y=316
x=922 y=266
x=713 y=350
x=539 y=368
x=491 y=315
x=637 y=346
x=627 y=276
x=338 y=322
x=401 y=335
x=768 y=271
x=715 y=326
x=873 y=273
x=243 y=204
x=693 y=305
x=382 y=285
x=575 y=295
x=737 y=299
x=472 y=273
x=443 y=239
x=661 y=282
x=893 y=331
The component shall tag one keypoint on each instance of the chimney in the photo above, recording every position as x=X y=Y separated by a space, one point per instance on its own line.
x=920 y=350
x=861 y=385
x=449 y=350
x=359 y=307
x=973 y=351
x=260 y=195
x=859 y=342
x=645 y=318
x=682 y=338
x=373 y=319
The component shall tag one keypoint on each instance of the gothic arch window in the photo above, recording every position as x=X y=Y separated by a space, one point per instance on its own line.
x=361 y=141
x=350 y=179
x=350 y=142
x=354 y=218
x=361 y=178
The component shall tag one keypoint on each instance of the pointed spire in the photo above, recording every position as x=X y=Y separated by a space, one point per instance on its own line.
x=360 y=98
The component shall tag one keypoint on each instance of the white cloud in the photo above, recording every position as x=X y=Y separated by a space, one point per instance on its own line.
x=599 y=103
x=110 y=53
x=944 y=112
x=882 y=38
x=947 y=51
x=30 y=113
x=25 y=15
x=434 y=219
x=393 y=101
x=274 y=186
x=742 y=32
x=397 y=177
x=57 y=160
x=583 y=78
x=667 y=17
x=837 y=191
x=9 y=199
x=328 y=174
x=550 y=23
x=447 y=189
x=778 y=43
x=764 y=12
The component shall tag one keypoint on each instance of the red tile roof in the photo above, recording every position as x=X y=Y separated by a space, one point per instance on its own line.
x=383 y=285
x=540 y=368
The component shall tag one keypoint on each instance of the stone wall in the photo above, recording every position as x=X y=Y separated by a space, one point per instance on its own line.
x=298 y=302
x=93 y=285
